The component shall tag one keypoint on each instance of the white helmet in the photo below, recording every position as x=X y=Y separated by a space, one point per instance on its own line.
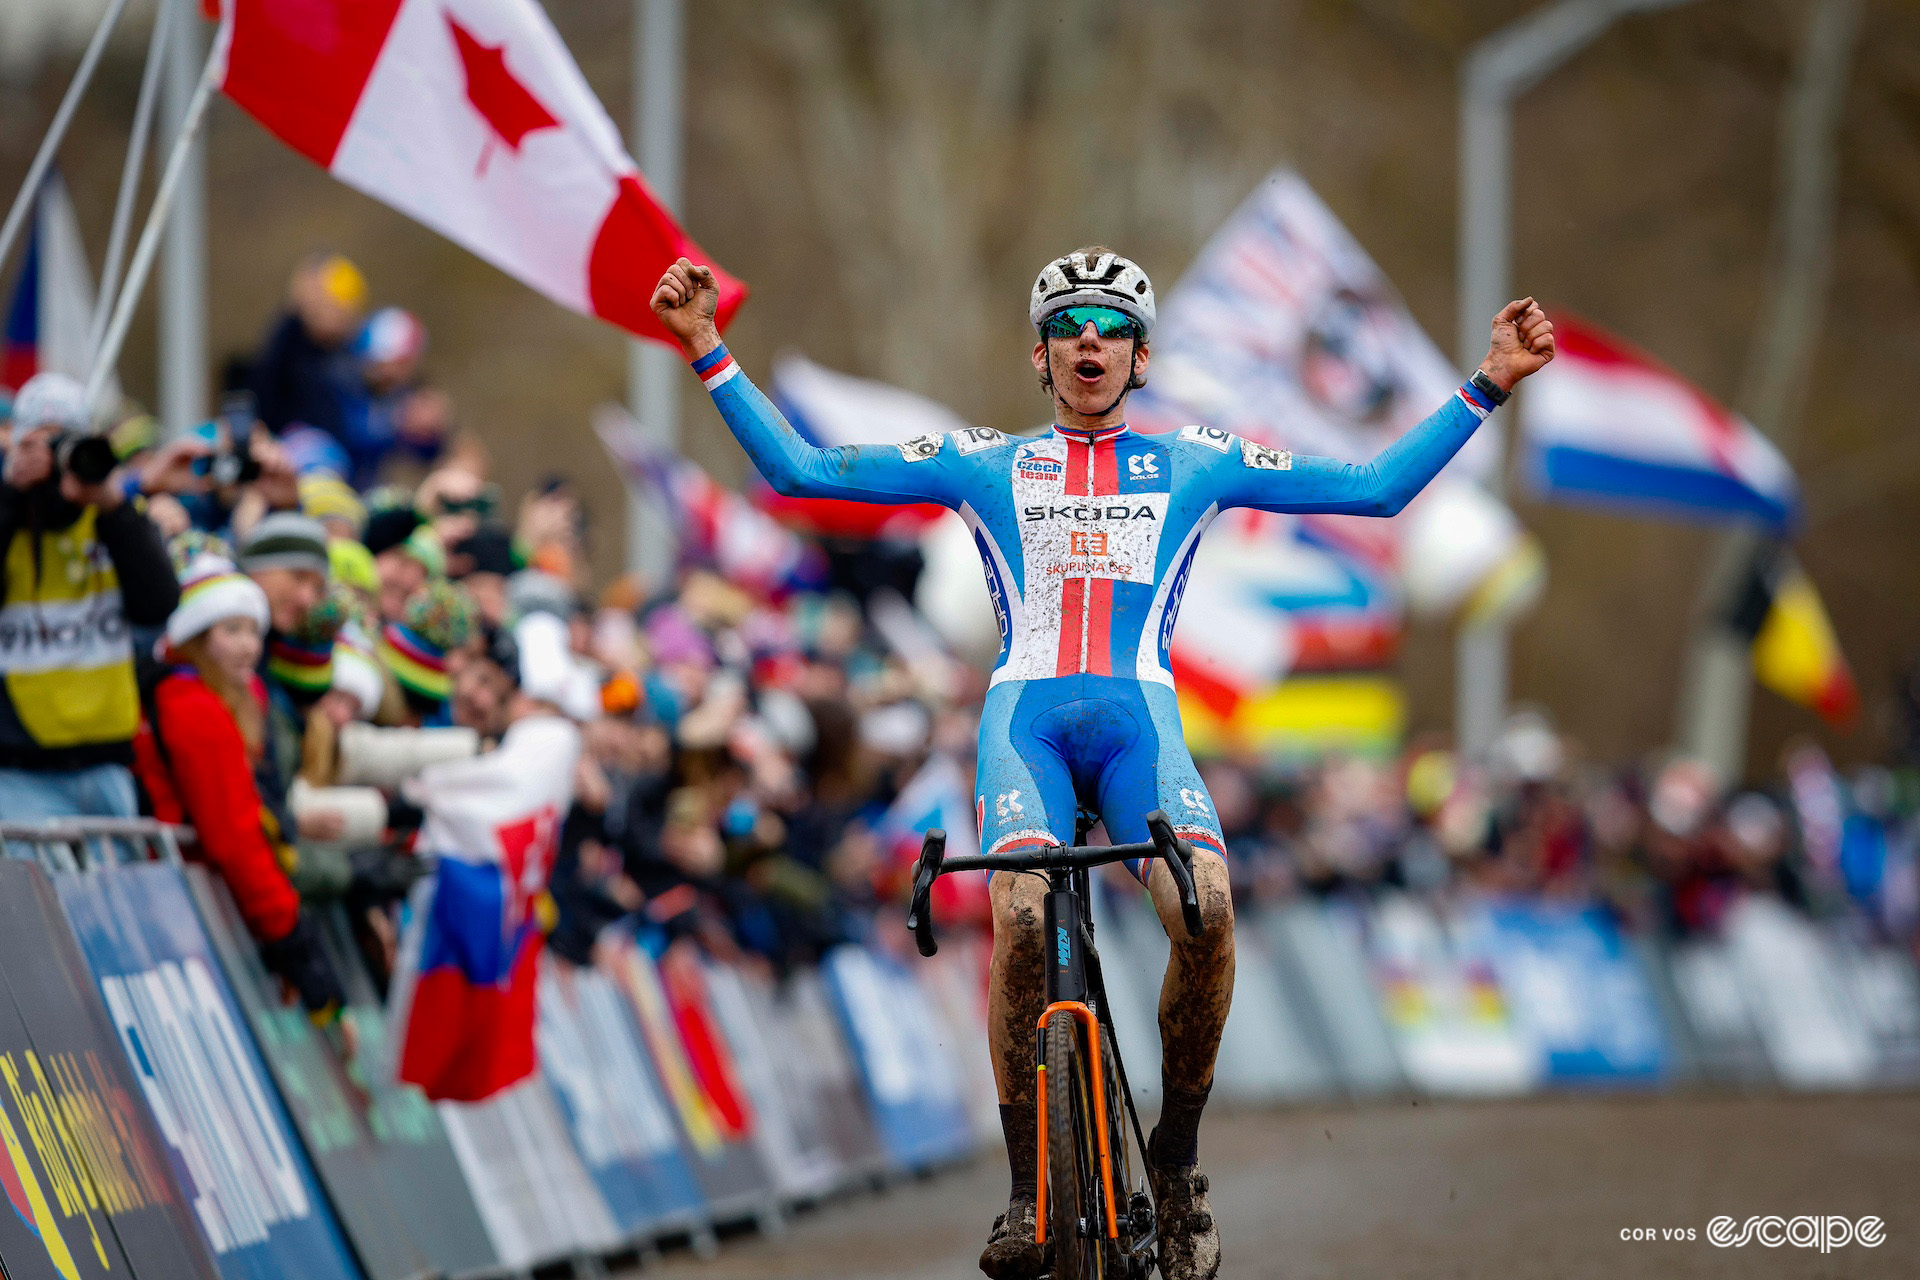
x=51 y=400
x=1084 y=279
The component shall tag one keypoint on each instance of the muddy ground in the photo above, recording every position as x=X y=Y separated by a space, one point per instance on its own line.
x=1452 y=1191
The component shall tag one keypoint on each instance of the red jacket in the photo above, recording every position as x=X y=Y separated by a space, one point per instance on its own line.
x=204 y=779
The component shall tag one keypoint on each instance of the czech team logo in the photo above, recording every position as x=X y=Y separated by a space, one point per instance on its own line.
x=1031 y=464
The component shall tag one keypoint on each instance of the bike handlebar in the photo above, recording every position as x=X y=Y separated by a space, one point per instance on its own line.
x=934 y=863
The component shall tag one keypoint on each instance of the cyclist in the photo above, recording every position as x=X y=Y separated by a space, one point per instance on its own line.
x=1087 y=535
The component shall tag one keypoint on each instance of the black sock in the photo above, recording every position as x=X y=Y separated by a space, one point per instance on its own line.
x=1020 y=1124
x=1176 y=1139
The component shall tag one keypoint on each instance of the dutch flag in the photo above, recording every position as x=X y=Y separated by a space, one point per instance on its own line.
x=1609 y=425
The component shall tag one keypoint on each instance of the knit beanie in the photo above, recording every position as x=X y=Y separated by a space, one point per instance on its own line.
x=285 y=540
x=302 y=662
x=325 y=496
x=353 y=565
x=356 y=669
x=211 y=590
x=438 y=618
x=188 y=545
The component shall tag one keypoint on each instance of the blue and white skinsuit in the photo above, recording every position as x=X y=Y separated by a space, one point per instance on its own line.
x=1087 y=542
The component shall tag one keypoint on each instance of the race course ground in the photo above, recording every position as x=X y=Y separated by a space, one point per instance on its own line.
x=1517 y=1190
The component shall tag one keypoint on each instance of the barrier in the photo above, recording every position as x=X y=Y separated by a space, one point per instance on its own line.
x=202 y=1077
x=1577 y=994
x=1451 y=1025
x=400 y=1196
x=714 y=1126
x=88 y=1186
x=162 y=1114
x=789 y=1136
x=912 y=1085
x=616 y=1112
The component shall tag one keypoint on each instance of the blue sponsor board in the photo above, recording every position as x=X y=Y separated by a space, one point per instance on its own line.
x=593 y=1057
x=232 y=1146
x=912 y=1080
x=1576 y=990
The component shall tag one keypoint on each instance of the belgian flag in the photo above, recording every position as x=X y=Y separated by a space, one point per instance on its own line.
x=1795 y=652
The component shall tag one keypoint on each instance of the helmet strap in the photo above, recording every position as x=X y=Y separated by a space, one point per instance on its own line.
x=1126 y=387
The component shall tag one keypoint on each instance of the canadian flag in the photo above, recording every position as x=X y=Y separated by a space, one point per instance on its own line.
x=471 y=117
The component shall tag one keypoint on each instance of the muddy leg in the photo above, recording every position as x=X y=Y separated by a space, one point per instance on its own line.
x=1194 y=999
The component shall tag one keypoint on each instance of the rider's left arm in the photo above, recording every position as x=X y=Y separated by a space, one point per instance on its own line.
x=1274 y=480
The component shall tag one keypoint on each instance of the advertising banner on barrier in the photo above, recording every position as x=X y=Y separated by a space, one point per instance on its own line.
x=1575 y=990
x=814 y=1049
x=243 y=1169
x=1449 y=1017
x=1319 y=955
x=88 y=1184
x=790 y=1138
x=400 y=1195
x=591 y=1053
x=1721 y=1035
x=692 y=1061
x=912 y=1081
x=538 y=1201
x=1814 y=1036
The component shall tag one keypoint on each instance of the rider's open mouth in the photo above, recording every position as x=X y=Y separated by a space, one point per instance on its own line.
x=1089 y=370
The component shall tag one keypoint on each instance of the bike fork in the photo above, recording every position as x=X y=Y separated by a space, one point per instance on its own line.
x=1067 y=990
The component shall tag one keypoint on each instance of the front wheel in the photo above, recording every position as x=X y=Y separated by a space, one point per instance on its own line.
x=1076 y=1214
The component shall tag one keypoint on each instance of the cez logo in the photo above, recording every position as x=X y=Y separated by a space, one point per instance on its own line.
x=1060 y=944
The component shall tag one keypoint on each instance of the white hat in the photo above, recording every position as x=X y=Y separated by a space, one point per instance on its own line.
x=51 y=400
x=212 y=590
x=356 y=671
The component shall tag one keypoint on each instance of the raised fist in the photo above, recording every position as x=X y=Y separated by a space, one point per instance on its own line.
x=1522 y=343
x=686 y=300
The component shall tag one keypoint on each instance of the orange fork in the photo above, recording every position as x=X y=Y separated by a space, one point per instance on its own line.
x=1084 y=1016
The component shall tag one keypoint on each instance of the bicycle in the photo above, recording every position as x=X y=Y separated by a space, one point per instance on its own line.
x=1082 y=1082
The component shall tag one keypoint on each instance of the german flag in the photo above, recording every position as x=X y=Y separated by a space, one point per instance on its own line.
x=1795 y=652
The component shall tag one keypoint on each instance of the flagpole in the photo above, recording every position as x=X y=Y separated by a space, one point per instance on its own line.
x=654 y=374
x=146 y=250
x=182 y=398
x=57 y=131
x=1498 y=70
x=130 y=178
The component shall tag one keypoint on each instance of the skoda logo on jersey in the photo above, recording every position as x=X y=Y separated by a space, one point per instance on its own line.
x=1033 y=465
x=1087 y=512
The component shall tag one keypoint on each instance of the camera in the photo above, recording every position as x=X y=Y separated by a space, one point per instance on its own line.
x=84 y=455
x=235 y=464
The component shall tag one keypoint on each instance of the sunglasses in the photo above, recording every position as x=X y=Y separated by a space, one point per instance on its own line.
x=1106 y=322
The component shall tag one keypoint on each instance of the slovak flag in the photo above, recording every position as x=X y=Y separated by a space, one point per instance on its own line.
x=1611 y=425
x=471 y=117
x=467 y=1004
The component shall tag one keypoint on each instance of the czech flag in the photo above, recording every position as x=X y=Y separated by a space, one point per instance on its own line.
x=471 y=117
x=1610 y=425
x=49 y=319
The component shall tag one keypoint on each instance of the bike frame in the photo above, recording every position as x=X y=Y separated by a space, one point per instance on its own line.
x=1068 y=989
x=1075 y=983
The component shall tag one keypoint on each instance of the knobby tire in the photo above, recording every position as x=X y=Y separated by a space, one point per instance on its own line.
x=1073 y=1159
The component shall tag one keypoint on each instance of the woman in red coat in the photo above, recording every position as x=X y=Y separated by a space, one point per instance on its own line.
x=196 y=758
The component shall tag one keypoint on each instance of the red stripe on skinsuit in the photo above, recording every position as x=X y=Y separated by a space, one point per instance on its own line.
x=1076 y=482
x=1100 y=628
x=1106 y=469
x=1073 y=613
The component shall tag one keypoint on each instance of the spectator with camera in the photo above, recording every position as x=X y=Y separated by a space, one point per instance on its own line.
x=83 y=566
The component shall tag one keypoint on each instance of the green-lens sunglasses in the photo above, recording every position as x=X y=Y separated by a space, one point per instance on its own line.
x=1106 y=322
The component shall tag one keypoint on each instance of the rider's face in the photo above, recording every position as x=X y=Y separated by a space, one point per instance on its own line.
x=1089 y=371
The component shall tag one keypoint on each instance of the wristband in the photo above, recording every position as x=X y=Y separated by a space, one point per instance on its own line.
x=1490 y=387
x=715 y=368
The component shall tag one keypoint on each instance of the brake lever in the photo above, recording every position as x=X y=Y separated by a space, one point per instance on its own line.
x=933 y=851
x=1178 y=855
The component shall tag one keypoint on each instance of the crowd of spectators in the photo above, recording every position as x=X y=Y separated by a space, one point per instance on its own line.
x=267 y=626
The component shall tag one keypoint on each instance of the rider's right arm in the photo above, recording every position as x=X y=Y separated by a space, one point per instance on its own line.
x=796 y=469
